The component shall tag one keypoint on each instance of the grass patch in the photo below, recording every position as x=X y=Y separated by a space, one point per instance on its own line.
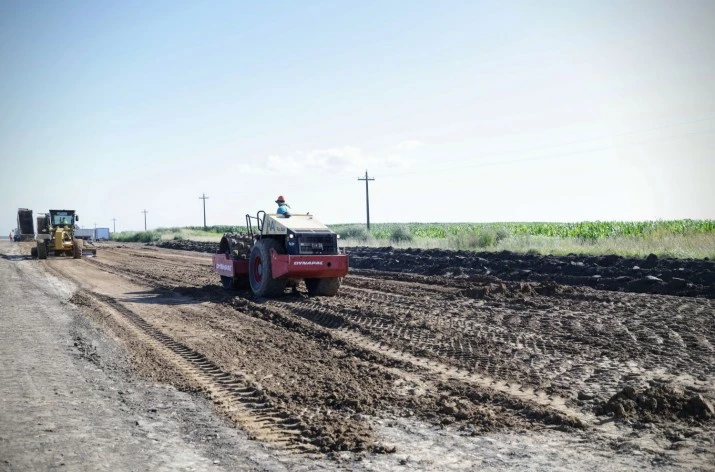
x=355 y=233
x=136 y=236
x=692 y=246
x=401 y=234
x=477 y=239
x=171 y=234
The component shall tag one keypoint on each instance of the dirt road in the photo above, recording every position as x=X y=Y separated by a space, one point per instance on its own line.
x=401 y=371
x=70 y=400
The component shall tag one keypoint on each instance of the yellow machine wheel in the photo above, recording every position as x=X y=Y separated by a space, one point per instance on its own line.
x=77 y=248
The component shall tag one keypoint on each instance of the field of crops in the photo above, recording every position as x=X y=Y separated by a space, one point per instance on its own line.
x=590 y=230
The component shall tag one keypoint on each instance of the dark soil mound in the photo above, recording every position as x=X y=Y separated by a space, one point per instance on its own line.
x=658 y=403
x=186 y=245
x=682 y=277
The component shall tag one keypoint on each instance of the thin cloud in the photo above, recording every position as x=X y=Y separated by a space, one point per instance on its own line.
x=409 y=145
x=334 y=160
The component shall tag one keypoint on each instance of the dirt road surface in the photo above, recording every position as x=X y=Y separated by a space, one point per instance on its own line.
x=138 y=360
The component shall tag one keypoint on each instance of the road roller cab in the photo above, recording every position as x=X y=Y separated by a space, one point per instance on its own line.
x=278 y=251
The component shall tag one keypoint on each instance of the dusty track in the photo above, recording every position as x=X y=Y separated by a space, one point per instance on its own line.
x=474 y=355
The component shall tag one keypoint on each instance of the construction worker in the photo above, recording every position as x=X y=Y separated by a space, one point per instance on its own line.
x=283 y=207
x=12 y=235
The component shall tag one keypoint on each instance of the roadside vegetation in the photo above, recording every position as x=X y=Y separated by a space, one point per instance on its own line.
x=192 y=233
x=678 y=238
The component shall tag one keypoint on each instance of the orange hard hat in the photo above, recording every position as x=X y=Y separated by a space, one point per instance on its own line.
x=280 y=199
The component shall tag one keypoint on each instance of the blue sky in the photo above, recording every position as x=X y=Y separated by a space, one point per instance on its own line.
x=462 y=111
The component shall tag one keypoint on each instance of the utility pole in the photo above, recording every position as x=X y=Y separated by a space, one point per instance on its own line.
x=367 y=197
x=114 y=220
x=94 y=235
x=145 y=212
x=204 y=198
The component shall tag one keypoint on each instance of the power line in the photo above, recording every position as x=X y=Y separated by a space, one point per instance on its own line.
x=204 y=198
x=367 y=196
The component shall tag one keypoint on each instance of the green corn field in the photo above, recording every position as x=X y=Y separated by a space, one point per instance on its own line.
x=589 y=230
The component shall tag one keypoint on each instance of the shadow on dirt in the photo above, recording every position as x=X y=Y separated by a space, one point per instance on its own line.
x=174 y=296
x=17 y=257
x=287 y=297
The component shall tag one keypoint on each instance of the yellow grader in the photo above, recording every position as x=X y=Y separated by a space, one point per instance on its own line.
x=55 y=236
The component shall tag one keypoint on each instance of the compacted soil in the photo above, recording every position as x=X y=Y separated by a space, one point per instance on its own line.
x=422 y=362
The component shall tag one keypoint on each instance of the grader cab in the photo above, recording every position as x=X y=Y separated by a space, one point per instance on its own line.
x=55 y=236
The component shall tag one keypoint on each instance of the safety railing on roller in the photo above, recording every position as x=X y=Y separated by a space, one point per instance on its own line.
x=260 y=216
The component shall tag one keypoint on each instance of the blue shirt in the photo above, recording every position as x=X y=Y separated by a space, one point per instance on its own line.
x=283 y=209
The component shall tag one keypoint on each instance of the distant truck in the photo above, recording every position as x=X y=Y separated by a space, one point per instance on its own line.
x=25 y=225
x=84 y=233
x=96 y=234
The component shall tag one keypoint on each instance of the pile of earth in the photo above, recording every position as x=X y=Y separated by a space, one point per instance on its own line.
x=682 y=277
x=186 y=245
x=658 y=403
x=667 y=276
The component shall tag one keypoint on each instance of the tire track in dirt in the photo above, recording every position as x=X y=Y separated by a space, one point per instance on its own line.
x=321 y=315
x=516 y=323
x=535 y=353
x=541 y=342
x=543 y=406
x=435 y=369
x=237 y=397
x=244 y=349
x=453 y=386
